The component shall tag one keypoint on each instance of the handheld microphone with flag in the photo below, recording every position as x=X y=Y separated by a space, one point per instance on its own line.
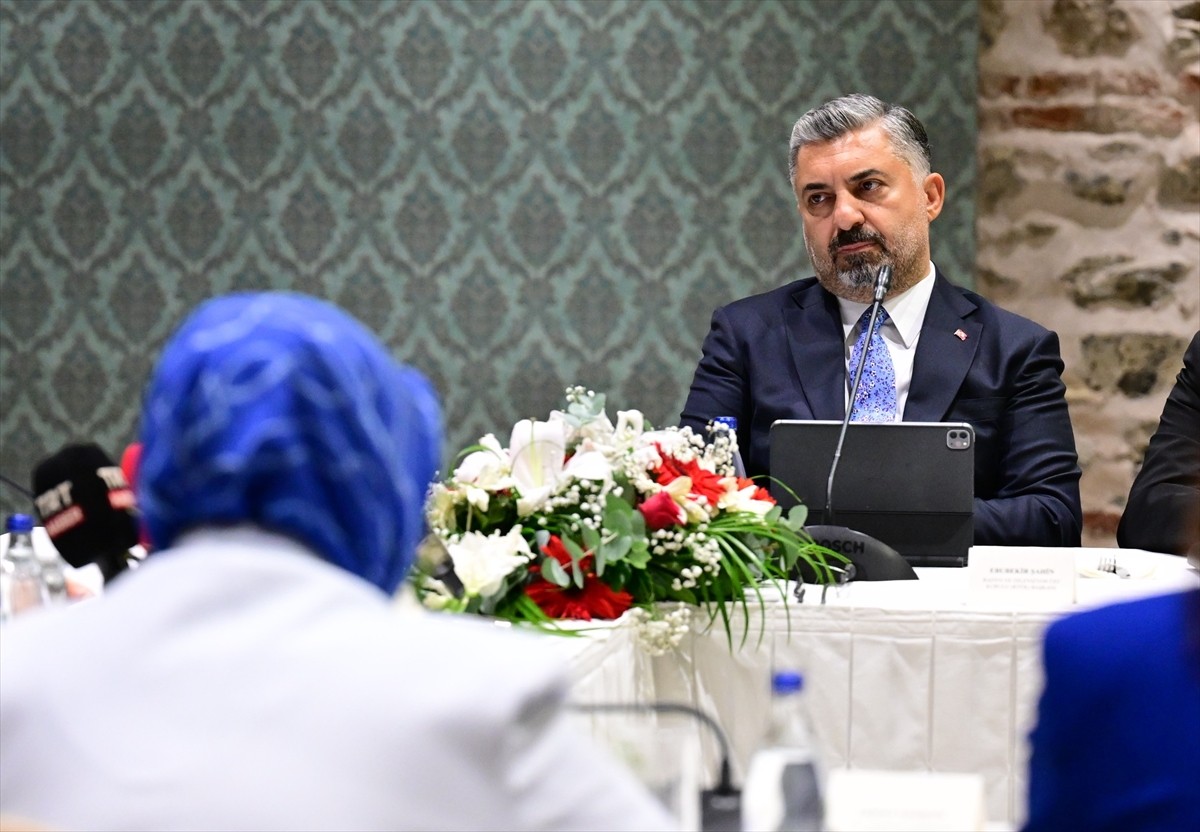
x=873 y=559
x=87 y=508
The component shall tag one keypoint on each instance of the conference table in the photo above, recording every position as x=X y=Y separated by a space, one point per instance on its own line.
x=900 y=675
x=907 y=676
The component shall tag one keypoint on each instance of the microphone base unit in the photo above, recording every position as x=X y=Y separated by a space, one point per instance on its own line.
x=721 y=810
x=872 y=559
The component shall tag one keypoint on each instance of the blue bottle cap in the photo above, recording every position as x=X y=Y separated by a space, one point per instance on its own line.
x=787 y=681
x=20 y=523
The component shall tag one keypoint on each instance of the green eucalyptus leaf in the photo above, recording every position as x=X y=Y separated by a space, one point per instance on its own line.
x=616 y=548
x=618 y=515
x=595 y=545
x=591 y=538
x=553 y=572
x=639 y=554
x=797 y=517
x=637 y=525
x=577 y=554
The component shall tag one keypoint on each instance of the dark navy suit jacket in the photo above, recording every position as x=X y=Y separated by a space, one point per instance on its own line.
x=1163 y=511
x=1117 y=742
x=781 y=355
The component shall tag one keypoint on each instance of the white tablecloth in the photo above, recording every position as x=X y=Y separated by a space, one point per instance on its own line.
x=901 y=675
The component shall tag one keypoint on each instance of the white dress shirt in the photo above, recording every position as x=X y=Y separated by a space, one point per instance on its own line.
x=906 y=313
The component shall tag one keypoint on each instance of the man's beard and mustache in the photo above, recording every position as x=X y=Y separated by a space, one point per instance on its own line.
x=857 y=270
x=853 y=275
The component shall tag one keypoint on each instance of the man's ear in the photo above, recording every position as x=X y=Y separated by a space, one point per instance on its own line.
x=935 y=195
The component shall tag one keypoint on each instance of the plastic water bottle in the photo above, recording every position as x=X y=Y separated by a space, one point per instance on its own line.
x=24 y=587
x=783 y=784
x=732 y=423
x=54 y=574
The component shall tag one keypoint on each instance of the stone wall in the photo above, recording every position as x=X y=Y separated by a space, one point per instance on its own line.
x=1088 y=208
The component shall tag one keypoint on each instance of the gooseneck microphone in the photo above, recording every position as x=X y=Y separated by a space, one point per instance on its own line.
x=87 y=507
x=883 y=282
x=870 y=559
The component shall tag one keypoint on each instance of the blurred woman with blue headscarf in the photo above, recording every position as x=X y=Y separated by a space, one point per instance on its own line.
x=254 y=672
x=283 y=412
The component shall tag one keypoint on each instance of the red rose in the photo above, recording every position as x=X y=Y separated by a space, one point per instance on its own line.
x=661 y=512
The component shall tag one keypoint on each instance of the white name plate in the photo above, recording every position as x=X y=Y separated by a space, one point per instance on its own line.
x=1021 y=577
x=904 y=801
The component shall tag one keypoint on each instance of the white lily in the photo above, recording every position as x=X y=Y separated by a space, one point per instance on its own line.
x=482 y=562
x=589 y=465
x=537 y=450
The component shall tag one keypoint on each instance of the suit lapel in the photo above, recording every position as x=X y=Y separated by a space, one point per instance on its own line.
x=944 y=355
x=814 y=331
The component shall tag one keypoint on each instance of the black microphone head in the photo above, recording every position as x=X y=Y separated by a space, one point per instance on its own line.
x=87 y=507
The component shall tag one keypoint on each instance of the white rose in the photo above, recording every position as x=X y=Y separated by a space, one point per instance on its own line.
x=440 y=506
x=483 y=473
x=482 y=562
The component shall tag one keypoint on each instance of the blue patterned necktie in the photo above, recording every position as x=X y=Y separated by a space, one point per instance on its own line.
x=876 y=399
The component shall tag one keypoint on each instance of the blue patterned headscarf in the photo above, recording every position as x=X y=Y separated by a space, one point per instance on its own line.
x=283 y=411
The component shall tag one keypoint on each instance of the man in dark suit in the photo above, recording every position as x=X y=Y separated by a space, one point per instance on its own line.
x=1163 y=510
x=866 y=194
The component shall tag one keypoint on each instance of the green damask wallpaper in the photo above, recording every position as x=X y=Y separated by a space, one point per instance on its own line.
x=515 y=195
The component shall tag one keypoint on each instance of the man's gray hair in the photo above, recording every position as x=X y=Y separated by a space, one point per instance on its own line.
x=836 y=118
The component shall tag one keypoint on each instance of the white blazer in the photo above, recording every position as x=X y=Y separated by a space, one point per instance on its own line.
x=237 y=681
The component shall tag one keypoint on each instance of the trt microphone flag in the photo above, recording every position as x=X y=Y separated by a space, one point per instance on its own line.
x=87 y=507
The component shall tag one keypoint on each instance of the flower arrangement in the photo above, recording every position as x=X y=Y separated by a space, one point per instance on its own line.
x=579 y=518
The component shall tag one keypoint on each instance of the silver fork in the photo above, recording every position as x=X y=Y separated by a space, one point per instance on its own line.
x=1108 y=563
